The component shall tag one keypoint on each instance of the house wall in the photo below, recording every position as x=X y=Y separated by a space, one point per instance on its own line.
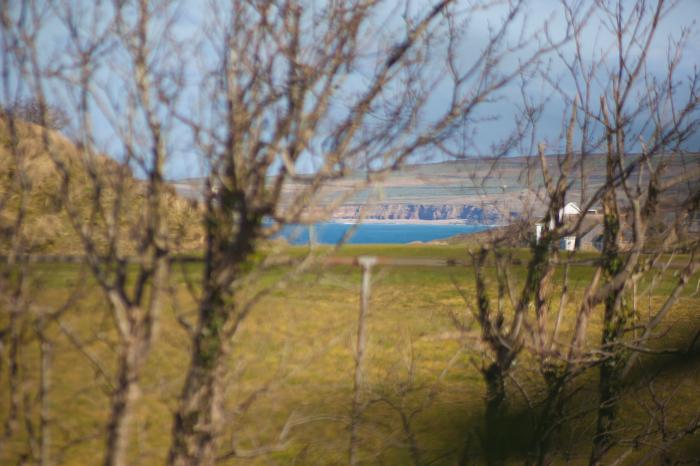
x=568 y=243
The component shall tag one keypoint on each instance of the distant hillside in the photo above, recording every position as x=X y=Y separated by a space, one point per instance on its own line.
x=475 y=191
x=31 y=183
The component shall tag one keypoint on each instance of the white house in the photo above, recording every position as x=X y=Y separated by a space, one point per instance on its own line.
x=570 y=212
x=569 y=209
x=568 y=243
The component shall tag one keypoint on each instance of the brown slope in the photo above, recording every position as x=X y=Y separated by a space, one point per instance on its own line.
x=31 y=183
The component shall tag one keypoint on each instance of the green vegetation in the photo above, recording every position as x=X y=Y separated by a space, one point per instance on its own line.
x=292 y=365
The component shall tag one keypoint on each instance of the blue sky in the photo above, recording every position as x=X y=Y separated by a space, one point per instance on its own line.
x=497 y=115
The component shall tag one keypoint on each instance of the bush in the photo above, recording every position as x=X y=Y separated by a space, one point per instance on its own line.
x=32 y=111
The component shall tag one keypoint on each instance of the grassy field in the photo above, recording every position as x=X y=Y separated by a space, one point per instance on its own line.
x=293 y=365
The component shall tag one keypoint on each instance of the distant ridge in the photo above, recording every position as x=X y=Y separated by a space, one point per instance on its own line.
x=486 y=190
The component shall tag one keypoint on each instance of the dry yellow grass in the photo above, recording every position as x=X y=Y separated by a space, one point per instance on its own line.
x=30 y=176
x=298 y=343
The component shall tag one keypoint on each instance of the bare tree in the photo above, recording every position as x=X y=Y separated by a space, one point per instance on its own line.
x=637 y=189
x=642 y=124
x=25 y=336
x=95 y=193
x=292 y=96
x=278 y=101
x=286 y=95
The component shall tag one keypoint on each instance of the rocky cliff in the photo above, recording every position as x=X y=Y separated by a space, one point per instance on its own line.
x=468 y=213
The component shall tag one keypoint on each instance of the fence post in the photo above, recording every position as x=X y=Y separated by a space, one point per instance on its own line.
x=366 y=262
x=312 y=236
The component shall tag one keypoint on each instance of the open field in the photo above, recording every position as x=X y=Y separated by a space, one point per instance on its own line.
x=292 y=370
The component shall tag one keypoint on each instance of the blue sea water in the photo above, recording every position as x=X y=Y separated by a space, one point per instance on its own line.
x=376 y=233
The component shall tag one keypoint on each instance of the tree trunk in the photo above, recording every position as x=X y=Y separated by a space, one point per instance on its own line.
x=44 y=388
x=197 y=421
x=607 y=390
x=198 y=417
x=610 y=378
x=550 y=416
x=14 y=376
x=125 y=394
x=495 y=396
x=613 y=317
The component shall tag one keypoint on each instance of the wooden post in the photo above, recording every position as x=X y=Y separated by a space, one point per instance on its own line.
x=366 y=262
